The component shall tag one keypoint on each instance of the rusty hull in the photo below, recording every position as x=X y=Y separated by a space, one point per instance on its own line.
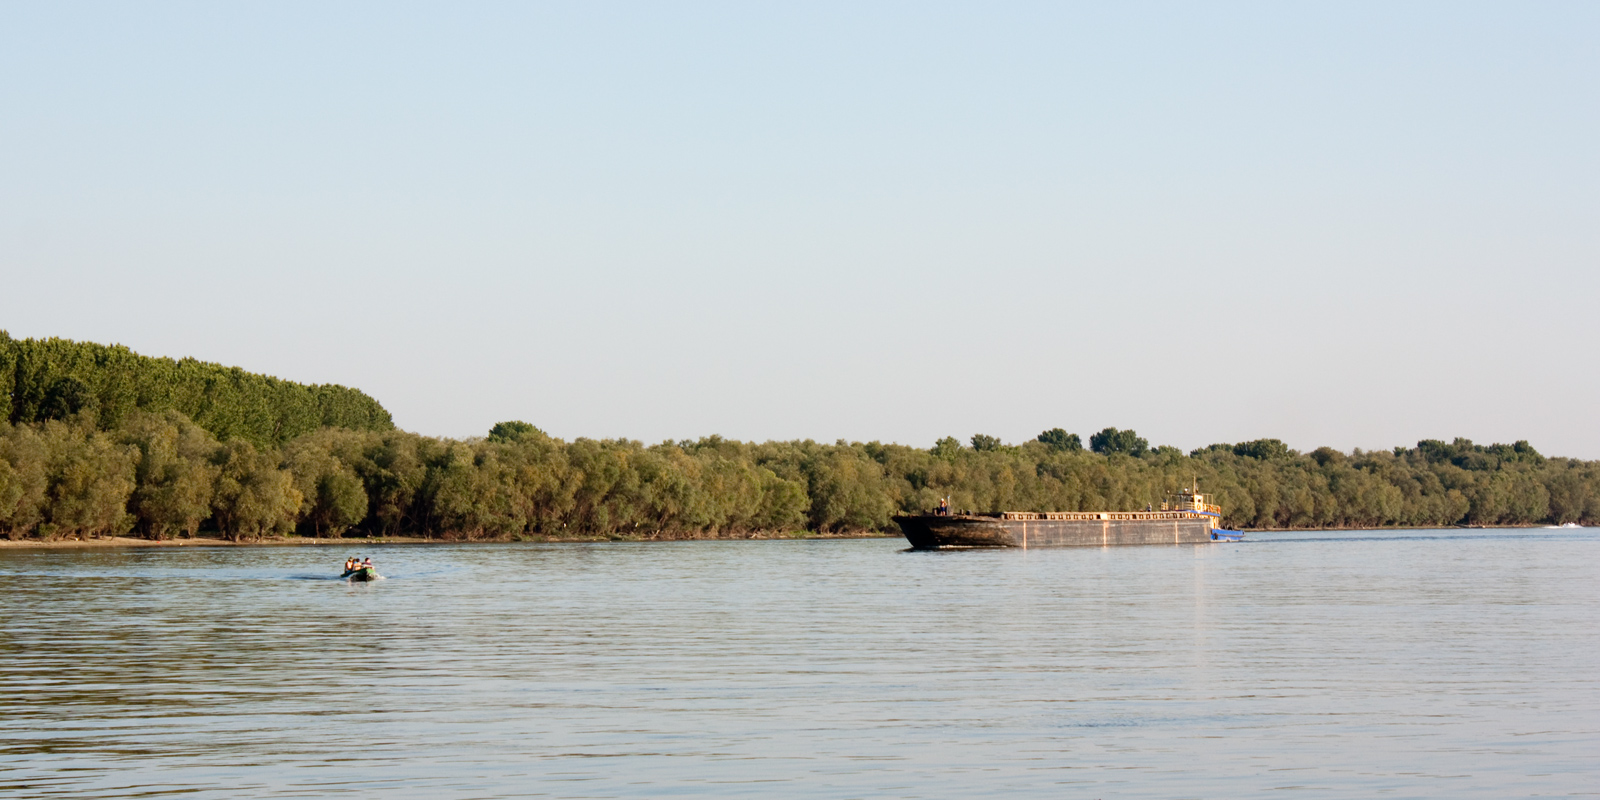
x=932 y=532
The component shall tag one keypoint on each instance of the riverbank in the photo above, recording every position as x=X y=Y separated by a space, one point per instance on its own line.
x=307 y=541
x=1405 y=528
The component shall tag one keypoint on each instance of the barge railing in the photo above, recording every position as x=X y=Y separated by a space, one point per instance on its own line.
x=1097 y=515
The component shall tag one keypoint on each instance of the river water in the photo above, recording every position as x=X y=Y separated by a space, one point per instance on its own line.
x=1398 y=664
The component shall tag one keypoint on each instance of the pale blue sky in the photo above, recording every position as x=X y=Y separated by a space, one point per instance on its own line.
x=1348 y=224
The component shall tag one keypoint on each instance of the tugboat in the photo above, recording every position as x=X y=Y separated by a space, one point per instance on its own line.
x=1189 y=520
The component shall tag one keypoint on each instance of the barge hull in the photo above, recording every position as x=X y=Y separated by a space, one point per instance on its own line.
x=927 y=532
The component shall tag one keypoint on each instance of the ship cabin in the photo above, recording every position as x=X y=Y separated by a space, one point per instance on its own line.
x=1192 y=500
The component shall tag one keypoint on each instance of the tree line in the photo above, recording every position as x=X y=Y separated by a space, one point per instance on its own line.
x=98 y=440
x=44 y=379
x=160 y=473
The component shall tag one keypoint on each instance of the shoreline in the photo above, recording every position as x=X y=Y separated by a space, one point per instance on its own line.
x=1516 y=526
x=308 y=541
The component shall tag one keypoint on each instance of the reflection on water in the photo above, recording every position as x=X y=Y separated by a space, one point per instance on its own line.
x=1412 y=664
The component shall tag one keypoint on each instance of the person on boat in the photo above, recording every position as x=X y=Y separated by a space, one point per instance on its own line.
x=350 y=564
x=944 y=507
x=366 y=564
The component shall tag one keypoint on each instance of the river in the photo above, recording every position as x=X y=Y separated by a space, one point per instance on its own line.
x=1335 y=664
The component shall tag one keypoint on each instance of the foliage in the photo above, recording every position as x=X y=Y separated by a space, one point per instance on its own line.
x=254 y=497
x=160 y=474
x=174 y=476
x=1463 y=453
x=1262 y=449
x=1060 y=440
x=1112 y=440
x=63 y=478
x=45 y=379
x=984 y=443
x=333 y=497
x=513 y=431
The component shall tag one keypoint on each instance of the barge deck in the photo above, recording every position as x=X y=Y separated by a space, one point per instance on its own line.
x=1192 y=522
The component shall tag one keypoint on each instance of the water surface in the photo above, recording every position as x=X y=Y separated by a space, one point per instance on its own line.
x=1400 y=664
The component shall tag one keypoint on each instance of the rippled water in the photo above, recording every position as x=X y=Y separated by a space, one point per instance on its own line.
x=1407 y=664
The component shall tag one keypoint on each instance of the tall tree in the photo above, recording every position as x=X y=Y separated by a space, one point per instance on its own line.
x=253 y=496
x=1060 y=440
x=984 y=443
x=1111 y=441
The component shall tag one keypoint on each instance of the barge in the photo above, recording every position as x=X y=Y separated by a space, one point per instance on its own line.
x=1189 y=521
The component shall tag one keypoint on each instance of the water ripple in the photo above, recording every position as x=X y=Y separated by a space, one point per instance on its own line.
x=1405 y=664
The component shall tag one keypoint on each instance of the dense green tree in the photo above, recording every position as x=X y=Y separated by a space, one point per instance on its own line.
x=1262 y=449
x=1058 y=439
x=253 y=496
x=1570 y=487
x=45 y=379
x=333 y=497
x=1326 y=455
x=948 y=447
x=984 y=443
x=90 y=478
x=848 y=490
x=1112 y=440
x=24 y=480
x=1466 y=455
x=467 y=494
x=513 y=431
x=66 y=397
x=174 y=474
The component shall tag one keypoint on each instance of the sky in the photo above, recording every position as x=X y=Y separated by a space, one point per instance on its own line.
x=1345 y=224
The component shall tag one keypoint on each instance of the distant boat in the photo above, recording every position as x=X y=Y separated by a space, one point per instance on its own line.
x=361 y=574
x=1566 y=525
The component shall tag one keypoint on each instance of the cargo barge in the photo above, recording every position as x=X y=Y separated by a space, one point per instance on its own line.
x=1189 y=521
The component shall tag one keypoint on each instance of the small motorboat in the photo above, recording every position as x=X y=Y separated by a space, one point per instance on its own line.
x=1225 y=535
x=361 y=574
